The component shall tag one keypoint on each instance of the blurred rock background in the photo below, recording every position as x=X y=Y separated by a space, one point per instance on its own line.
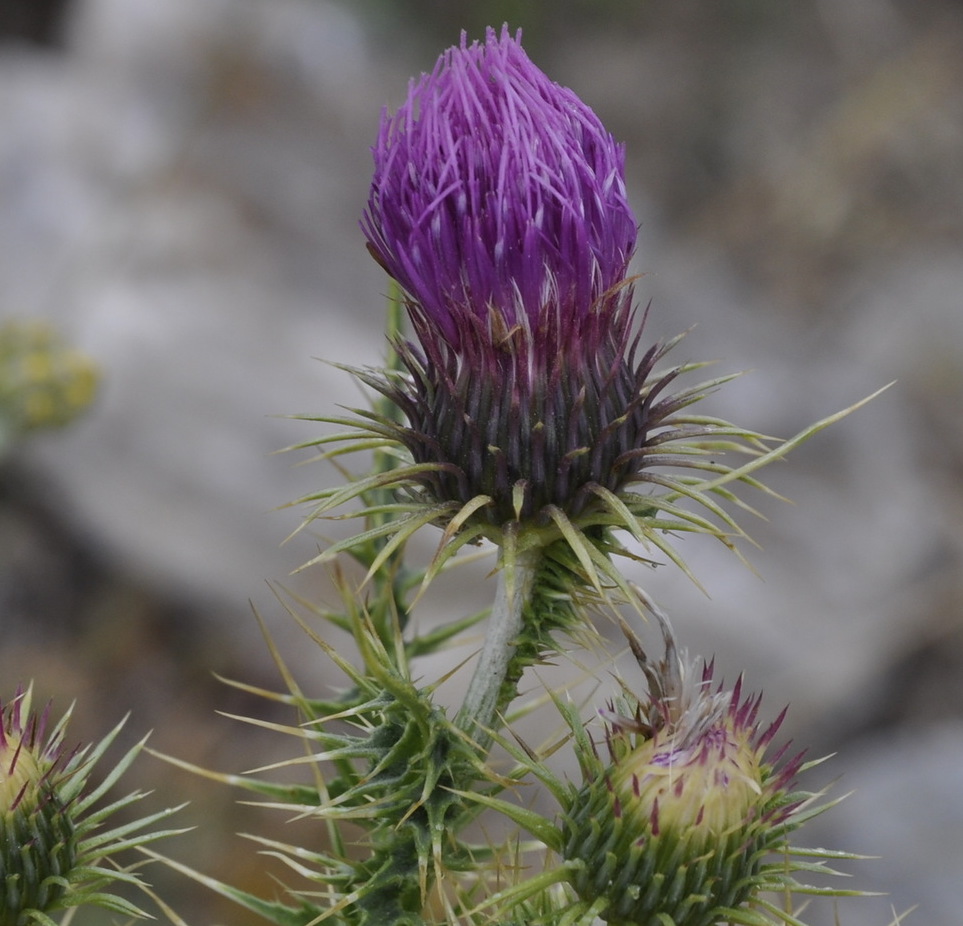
x=180 y=186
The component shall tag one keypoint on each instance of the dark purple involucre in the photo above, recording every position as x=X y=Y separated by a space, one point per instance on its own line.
x=497 y=189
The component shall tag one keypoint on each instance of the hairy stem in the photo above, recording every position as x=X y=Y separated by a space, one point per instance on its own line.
x=504 y=627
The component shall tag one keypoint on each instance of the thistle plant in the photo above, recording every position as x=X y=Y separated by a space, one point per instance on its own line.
x=525 y=414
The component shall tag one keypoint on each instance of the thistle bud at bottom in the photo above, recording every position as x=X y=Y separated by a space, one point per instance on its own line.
x=37 y=840
x=675 y=825
x=53 y=839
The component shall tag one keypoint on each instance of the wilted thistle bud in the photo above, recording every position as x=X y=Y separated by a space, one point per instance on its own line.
x=44 y=383
x=498 y=204
x=680 y=817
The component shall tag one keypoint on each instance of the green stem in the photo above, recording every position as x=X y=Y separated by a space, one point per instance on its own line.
x=505 y=625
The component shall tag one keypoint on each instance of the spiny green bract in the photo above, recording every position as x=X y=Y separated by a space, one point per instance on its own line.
x=386 y=761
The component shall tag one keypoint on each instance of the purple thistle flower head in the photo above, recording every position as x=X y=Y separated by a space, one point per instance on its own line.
x=497 y=190
x=498 y=204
